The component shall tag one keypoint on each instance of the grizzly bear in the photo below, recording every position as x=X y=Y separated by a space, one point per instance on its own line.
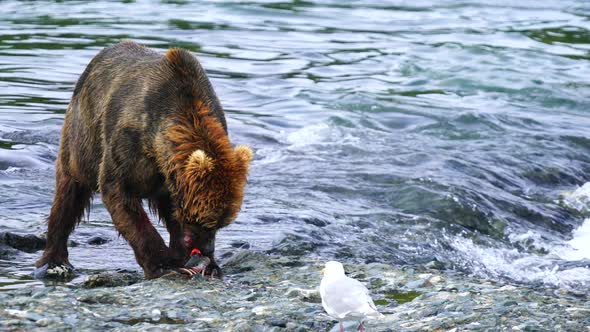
x=142 y=125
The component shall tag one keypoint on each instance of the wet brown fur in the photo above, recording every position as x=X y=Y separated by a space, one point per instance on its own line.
x=132 y=129
x=226 y=169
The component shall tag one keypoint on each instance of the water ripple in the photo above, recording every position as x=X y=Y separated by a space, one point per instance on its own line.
x=414 y=130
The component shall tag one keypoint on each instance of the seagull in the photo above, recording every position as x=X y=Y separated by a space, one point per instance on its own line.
x=345 y=298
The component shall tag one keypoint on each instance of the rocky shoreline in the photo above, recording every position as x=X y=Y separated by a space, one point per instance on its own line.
x=263 y=292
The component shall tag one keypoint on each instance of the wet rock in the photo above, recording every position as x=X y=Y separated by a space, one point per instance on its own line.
x=43 y=322
x=435 y=265
x=376 y=282
x=277 y=322
x=253 y=296
x=40 y=292
x=306 y=295
x=287 y=261
x=113 y=279
x=61 y=272
x=276 y=293
x=295 y=245
x=223 y=256
x=241 y=327
x=435 y=280
x=27 y=243
x=240 y=244
x=579 y=312
x=156 y=315
x=417 y=284
x=343 y=253
x=71 y=319
x=261 y=310
x=245 y=261
x=531 y=326
x=33 y=316
x=97 y=240
x=6 y=251
x=315 y=221
x=509 y=303
x=98 y=298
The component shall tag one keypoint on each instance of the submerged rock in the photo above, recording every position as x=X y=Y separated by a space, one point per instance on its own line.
x=6 y=251
x=315 y=221
x=245 y=261
x=27 y=243
x=11 y=243
x=98 y=240
x=435 y=265
x=240 y=244
x=296 y=245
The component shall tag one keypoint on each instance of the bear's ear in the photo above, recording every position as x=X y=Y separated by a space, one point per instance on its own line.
x=244 y=154
x=199 y=162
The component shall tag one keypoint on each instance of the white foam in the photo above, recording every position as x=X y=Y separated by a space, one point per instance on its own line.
x=561 y=266
x=580 y=243
x=309 y=135
x=579 y=246
x=519 y=266
x=579 y=199
x=576 y=249
x=323 y=134
x=269 y=156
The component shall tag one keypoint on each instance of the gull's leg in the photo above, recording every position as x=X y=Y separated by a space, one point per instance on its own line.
x=362 y=327
x=341 y=327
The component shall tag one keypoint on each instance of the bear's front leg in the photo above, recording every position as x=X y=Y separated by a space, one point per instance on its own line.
x=132 y=222
x=164 y=207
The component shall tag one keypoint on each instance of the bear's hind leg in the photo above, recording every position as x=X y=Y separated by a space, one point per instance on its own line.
x=70 y=200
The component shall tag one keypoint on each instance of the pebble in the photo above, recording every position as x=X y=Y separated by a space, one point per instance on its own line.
x=33 y=316
x=509 y=303
x=277 y=322
x=241 y=327
x=416 y=284
x=261 y=310
x=43 y=322
x=435 y=265
x=436 y=280
x=156 y=314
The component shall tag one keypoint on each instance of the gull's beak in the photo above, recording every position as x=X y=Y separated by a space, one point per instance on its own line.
x=323 y=271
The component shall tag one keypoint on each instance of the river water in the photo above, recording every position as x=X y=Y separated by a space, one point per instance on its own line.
x=384 y=131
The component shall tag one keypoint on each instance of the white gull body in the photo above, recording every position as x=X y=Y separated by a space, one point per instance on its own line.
x=345 y=298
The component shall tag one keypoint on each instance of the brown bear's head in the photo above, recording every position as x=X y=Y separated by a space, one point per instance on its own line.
x=214 y=186
x=209 y=175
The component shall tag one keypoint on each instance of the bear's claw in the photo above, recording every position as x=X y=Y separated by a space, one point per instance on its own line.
x=214 y=271
x=63 y=271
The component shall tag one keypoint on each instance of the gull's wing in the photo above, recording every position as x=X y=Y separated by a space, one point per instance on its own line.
x=345 y=297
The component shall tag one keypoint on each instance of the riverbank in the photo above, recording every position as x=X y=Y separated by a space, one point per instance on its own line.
x=271 y=293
